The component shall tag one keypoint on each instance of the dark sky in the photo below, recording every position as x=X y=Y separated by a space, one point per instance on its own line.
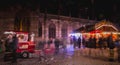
x=92 y=9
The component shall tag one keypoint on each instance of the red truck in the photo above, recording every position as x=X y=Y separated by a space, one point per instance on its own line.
x=26 y=43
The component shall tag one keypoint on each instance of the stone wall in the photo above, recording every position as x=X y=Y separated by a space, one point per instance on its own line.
x=71 y=23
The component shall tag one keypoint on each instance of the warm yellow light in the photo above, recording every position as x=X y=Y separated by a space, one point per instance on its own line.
x=20 y=25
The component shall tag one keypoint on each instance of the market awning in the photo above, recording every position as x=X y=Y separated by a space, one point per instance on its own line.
x=96 y=31
x=106 y=26
x=103 y=26
x=86 y=28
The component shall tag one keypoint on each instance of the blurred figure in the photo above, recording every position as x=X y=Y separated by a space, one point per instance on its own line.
x=50 y=41
x=79 y=42
x=8 y=43
x=94 y=46
x=111 y=46
x=74 y=41
x=41 y=44
x=110 y=42
x=90 y=45
x=57 y=43
x=1 y=42
x=14 y=46
x=118 y=48
x=100 y=45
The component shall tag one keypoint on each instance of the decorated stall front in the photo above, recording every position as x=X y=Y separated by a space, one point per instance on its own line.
x=101 y=29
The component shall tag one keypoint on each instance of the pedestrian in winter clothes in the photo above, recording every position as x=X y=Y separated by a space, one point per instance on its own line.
x=14 y=46
x=57 y=43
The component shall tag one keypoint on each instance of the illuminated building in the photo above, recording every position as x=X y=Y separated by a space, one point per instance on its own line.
x=43 y=25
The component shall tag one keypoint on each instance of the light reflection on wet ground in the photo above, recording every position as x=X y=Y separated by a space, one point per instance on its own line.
x=69 y=56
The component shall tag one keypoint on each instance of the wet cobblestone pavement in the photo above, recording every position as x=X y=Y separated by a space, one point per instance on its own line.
x=63 y=59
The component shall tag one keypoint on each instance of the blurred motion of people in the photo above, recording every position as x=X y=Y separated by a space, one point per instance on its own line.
x=57 y=43
x=50 y=41
x=111 y=46
x=8 y=43
x=14 y=46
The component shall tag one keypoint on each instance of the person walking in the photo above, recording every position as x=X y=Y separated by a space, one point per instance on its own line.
x=57 y=43
x=79 y=42
x=8 y=43
x=14 y=46
x=117 y=44
x=50 y=41
x=111 y=46
x=100 y=46
x=90 y=45
x=1 y=42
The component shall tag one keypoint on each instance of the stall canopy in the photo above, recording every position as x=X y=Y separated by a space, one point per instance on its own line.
x=85 y=28
x=102 y=26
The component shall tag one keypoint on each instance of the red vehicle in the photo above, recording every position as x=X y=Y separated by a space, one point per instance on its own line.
x=26 y=43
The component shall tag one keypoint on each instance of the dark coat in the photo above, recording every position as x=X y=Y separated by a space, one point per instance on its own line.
x=50 y=42
x=110 y=42
x=14 y=44
x=57 y=43
x=100 y=42
x=8 y=45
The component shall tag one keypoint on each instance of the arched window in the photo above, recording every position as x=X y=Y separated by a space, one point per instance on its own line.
x=64 y=31
x=40 y=29
x=52 y=30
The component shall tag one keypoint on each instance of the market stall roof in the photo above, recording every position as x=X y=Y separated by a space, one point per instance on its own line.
x=106 y=26
x=102 y=26
x=86 y=28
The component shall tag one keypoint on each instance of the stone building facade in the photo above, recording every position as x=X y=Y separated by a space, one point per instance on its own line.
x=43 y=25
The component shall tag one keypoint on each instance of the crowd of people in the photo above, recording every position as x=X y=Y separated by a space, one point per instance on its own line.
x=103 y=42
x=51 y=44
x=93 y=42
x=10 y=43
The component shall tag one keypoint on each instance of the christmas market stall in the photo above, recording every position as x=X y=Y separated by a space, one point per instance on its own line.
x=101 y=35
x=101 y=29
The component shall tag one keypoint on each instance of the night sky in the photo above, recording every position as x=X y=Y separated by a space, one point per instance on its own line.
x=88 y=9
